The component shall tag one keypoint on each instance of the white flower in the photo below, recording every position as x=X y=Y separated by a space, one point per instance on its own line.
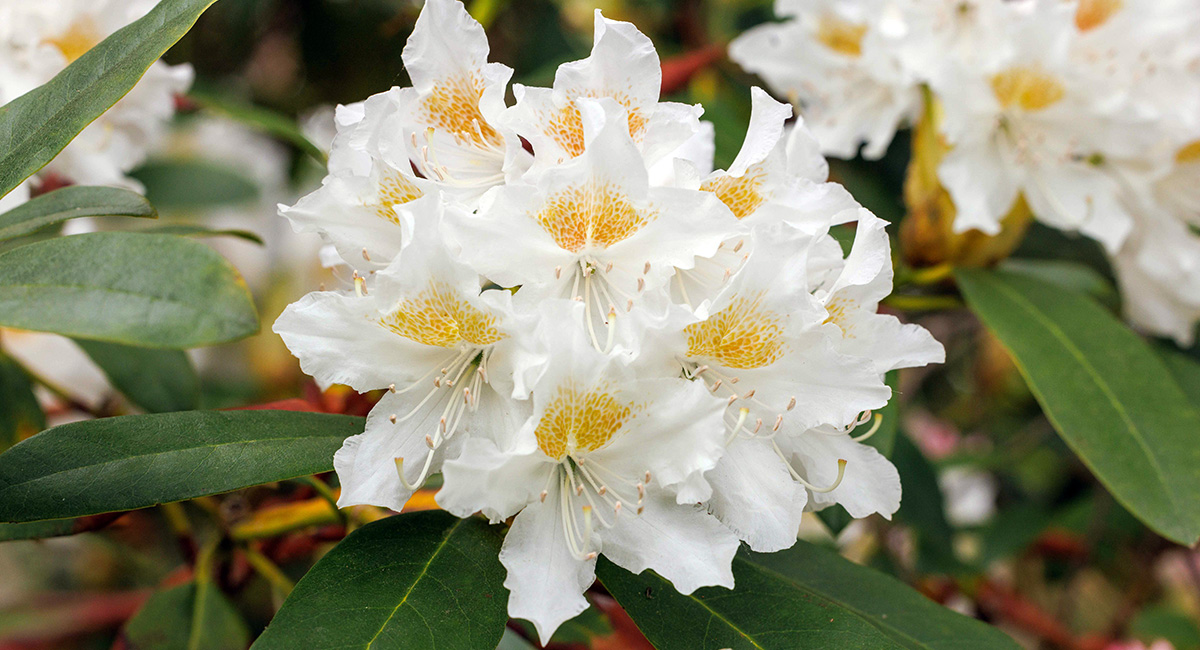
x=829 y=60
x=591 y=473
x=446 y=123
x=586 y=390
x=447 y=351
x=39 y=39
x=624 y=67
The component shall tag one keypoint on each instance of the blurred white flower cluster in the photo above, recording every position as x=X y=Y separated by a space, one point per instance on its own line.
x=1089 y=109
x=38 y=39
x=581 y=325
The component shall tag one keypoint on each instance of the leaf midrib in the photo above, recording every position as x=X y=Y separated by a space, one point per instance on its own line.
x=416 y=581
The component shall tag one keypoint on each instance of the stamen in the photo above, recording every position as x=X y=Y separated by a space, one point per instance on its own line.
x=392 y=418
x=874 y=428
x=791 y=404
x=360 y=285
x=365 y=255
x=646 y=268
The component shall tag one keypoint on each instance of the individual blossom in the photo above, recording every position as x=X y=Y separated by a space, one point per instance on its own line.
x=623 y=66
x=446 y=352
x=852 y=85
x=592 y=473
x=446 y=124
x=39 y=39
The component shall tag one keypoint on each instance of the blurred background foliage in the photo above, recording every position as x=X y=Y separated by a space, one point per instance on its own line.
x=999 y=520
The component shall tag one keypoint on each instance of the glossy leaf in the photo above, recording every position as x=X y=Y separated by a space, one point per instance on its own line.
x=136 y=461
x=421 y=581
x=192 y=616
x=1107 y=393
x=159 y=381
x=39 y=124
x=804 y=597
x=146 y=290
x=70 y=203
x=20 y=414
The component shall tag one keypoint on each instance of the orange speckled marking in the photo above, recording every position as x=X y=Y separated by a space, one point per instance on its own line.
x=590 y=214
x=838 y=308
x=395 y=189
x=841 y=36
x=743 y=194
x=566 y=126
x=1027 y=87
x=743 y=335
x=453 y=105
x=581 y=420
x=439 y=317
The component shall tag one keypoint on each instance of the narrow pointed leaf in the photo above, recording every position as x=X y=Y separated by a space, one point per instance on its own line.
x=137 y=461
x=70 y=203
x=802 y=598
x=36 y=126
x=421 y=581
x=192 y=616
x=1108 y=394
x=188 y=230
x=145 y=290
x=159 y=381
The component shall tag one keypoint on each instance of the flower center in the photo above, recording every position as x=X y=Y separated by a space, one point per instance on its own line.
x=579 y=420
x=80 y=37
x=1093 y=13
x=1027 y=87
x=590 y=214
x=439 y=317
x=840 y=35
x=742 y=194
x=743 y=335
x=453 y=105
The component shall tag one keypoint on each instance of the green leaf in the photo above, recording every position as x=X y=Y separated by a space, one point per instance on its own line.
x=192 y=616
x=188 y=230
x=145 y=290
x=1073 y=276
x=36 y=126
x=804 y=597
x=20 y=414
x=137 y=461
x=194 y=184
x=261 y=119
x=56 y=527
x=1184 y=369
x=159 y=381
x=425 y=581
x=1107 y=393
x=70 y=203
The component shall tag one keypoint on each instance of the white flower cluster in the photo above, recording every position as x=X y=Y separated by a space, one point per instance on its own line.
x=1090 y=109
x=582 y=325
x=39 y=38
